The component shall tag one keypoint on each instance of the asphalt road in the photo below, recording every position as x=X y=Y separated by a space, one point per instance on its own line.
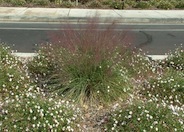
x=154 y=39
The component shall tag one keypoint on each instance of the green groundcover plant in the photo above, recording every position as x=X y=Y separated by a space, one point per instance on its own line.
x=147 y=116
x=138 y=65
x=168 y=88
x=13 y=81
x=175 y=60
x=35 y=113
x=24 y=107
x=168 y=85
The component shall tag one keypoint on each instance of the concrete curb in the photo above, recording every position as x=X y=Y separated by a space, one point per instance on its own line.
x=25 y=14
x=85 y=19
x=24 y=55
x=31 y=55
x=158 y=57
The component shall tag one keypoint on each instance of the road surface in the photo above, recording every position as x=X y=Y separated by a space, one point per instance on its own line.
x=154 y=39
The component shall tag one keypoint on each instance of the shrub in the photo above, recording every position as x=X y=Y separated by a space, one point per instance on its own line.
x=6 y=1
x=113 y=4
x=180 y=4
x=94 y=4
x=35 y=113
x=53 y=0
x=106 y=2
x=143 y=5
x=154 y=3
x=88 y=64
x=29 y=1
x=84 y=1
x=144 y=117
x=41 y=2
x=116 y=5
x=130 y=3
x=66 y=4
x=165 y=5
x=18 y=2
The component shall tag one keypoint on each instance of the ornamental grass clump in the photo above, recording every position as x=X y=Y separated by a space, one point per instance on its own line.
x=86 y=65
x=144 y=117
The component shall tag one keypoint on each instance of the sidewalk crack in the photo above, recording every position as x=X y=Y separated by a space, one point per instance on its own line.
x=69 y=12
x=22 y=11
x=117 y=13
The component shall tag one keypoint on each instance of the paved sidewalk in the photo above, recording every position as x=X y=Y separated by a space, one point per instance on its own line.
x=12 y=14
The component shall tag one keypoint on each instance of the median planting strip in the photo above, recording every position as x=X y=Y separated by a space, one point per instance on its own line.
x=90 y=81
